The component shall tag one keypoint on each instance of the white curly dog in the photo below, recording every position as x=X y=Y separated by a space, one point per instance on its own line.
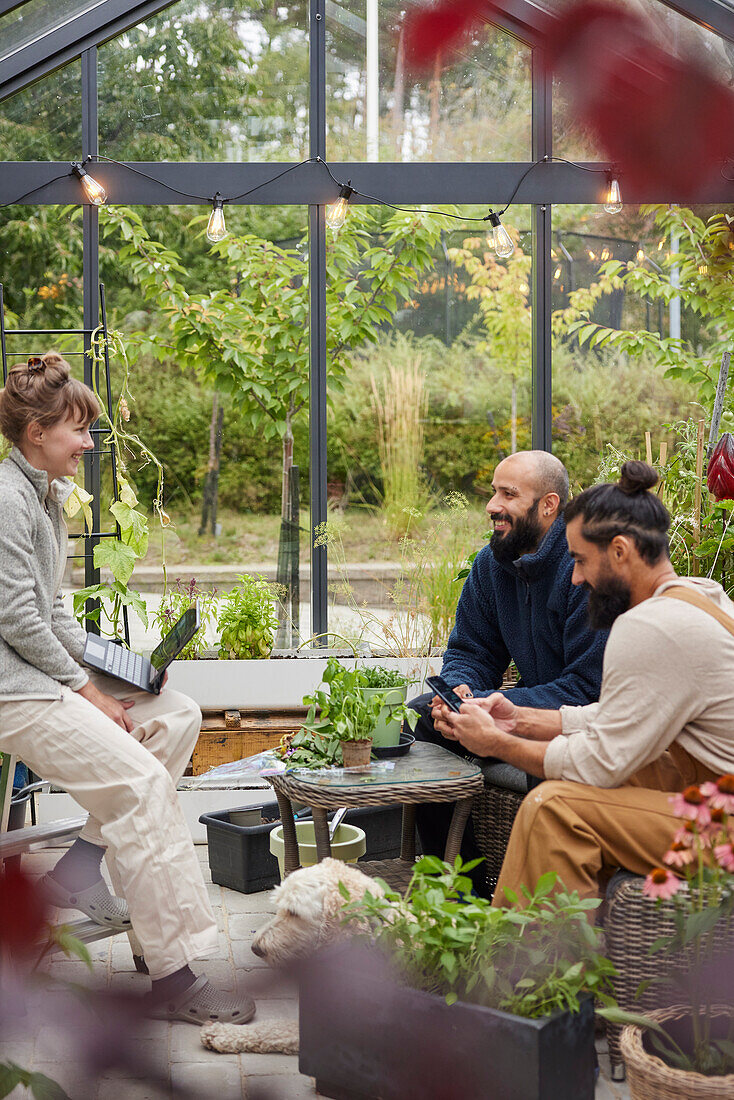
x=308 y=915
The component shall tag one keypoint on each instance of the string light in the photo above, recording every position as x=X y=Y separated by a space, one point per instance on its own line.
x=640 y=255
x=499 y=239
x=336 y=212
x=613 y=202
x=216 y=230
x=94 y=191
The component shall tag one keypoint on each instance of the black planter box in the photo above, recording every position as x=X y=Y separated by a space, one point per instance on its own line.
x=240 y=858
x=364 y=1037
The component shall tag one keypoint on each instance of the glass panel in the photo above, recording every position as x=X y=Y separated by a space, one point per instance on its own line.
x=477 y=108
x=43 y=121
x=199 y=81
x=41 y=265
x=424 y=763
x=435 y=382
x=179 y=407
x=675 y=34
x=37 y=17
x=604 y=400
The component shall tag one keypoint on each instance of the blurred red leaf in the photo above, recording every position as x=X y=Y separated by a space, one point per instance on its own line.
x=720 y=472
x=22 y=913
x=439 y=29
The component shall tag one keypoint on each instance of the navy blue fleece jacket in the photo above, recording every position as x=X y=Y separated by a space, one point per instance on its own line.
x=529 y=611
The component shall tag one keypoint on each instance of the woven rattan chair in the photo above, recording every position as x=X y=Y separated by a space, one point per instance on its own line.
x=632 y=925
x=493 y=813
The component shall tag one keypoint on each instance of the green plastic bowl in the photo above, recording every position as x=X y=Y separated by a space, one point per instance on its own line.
x=348 y=844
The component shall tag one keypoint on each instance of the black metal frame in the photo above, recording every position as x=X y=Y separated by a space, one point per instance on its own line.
x=310 y=184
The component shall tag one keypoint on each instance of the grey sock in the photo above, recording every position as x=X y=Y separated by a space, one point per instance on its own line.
x=163 y=988
x=80 y=867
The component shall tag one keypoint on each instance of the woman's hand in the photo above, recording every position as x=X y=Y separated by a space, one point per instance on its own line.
x=116 y=709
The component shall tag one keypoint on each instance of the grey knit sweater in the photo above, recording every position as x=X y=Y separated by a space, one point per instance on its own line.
x=41 y=645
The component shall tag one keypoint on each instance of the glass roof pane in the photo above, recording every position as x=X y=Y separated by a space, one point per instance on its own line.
x=674 y=33
x=202 y=80
x=43 y=121
x=476 y=107
x=35 y=18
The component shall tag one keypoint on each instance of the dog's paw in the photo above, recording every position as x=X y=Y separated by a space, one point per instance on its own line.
x=266 y=1037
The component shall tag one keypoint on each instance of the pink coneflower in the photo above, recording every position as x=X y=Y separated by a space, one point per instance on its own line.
x=680 y=854
x=692 y=804
x=686 y=835
x=661 y=883
x=725 y=856
x=721 y=793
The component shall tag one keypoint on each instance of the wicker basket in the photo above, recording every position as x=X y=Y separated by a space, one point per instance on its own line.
x=494 y=812
x=651 y=1079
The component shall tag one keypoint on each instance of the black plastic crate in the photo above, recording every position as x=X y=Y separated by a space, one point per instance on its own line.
x=240 y=858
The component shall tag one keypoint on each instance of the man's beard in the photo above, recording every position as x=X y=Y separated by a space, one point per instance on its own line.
x=523 y=537
x=609 y=599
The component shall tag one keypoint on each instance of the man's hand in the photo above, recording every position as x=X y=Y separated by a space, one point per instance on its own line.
x=473 y=728
x=116 y=709
x=439 y=710
x=501 y=710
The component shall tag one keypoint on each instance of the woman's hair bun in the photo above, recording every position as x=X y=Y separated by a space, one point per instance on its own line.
x=637 y=477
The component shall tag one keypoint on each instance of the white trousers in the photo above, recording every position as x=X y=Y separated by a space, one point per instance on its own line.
x=127 y=783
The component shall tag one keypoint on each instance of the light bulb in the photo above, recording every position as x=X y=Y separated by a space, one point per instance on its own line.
x=336 y=212
x=613 y=202
x=640 y=255
x=94 y=191
x=216 y=230
x=499 y=239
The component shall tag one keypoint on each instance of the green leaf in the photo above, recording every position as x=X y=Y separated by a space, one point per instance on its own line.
x=117 y=557
x=43 y=1088
x=10 y=1076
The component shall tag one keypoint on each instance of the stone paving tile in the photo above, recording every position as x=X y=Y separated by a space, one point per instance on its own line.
x=218 y=1081
x=243 y=926
x=17 y=1050
x=262 y=983
x=219 y=971
x=266 y=1065
x=235 y=902
x=71 y=1078
x=113 y=1088
x=297 y=1087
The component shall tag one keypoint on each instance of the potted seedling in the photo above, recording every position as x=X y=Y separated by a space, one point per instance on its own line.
x=247 y=620
x=393 y=687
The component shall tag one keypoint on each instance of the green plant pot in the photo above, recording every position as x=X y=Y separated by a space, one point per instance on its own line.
x=387 y=730
x=348 y=844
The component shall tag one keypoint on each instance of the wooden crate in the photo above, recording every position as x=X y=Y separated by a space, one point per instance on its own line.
x=234 y=734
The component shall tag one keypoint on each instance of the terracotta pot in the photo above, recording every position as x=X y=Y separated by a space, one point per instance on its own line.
x=356 y=754
x=650 y=1078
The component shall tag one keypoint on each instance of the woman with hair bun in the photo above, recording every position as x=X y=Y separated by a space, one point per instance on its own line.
x=665 y=716
x=119 y=752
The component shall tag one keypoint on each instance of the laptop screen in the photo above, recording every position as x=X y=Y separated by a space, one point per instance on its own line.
x=176 y=639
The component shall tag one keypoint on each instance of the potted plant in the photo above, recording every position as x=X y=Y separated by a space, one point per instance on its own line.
x=457 y=998
x=393 y=687
x=178 y=599
x=688 y=1048
x=247 y=619
x=341 y=720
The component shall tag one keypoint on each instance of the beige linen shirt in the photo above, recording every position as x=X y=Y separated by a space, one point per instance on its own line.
x=668 y=676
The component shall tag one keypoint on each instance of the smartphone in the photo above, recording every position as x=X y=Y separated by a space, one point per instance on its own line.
x=443 y=691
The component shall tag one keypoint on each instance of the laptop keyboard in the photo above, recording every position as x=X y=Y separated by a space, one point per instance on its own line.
x=123 y=662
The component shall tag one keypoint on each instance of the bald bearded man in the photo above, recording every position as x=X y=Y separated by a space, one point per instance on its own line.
x=518 y=603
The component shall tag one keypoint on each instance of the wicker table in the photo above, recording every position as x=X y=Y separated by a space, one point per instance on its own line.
x=428 y=773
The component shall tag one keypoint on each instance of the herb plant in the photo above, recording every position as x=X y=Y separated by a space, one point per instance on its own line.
x=248 y=620
x=340 y=714
x=179 y=599
x=380 y=677
x=531 y=961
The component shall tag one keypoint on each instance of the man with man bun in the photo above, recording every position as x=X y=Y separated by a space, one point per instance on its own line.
x=518 y=603
x=665 y=716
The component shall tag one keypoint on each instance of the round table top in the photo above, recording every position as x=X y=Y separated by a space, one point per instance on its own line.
x=428 y=773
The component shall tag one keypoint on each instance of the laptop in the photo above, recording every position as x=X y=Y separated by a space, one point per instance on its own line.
x=114 y=660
